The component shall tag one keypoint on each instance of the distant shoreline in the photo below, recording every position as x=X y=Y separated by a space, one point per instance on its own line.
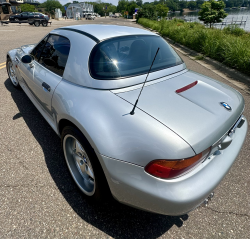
x=188 y=10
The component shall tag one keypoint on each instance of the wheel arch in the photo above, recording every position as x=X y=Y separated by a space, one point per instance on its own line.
x=63 y=122
x=11 y=54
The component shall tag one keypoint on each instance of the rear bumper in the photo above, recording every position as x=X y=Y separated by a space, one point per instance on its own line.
x=130 y=184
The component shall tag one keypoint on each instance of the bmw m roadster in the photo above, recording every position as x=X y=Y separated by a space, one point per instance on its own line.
x=132 y=119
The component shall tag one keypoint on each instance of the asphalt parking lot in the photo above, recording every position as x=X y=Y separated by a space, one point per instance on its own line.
x=38 y=198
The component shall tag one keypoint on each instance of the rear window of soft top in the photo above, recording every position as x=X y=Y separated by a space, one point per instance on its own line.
x=130 y=56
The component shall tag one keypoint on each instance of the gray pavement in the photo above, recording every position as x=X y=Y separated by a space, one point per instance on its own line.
x=38 y=198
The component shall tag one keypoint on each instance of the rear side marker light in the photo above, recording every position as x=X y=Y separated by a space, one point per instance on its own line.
x=166 y=169
x=186 y=87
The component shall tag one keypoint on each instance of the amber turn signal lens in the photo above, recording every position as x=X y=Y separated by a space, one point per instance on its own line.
x=165 y=168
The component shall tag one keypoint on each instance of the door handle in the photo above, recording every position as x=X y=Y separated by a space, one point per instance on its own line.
x=46 y=87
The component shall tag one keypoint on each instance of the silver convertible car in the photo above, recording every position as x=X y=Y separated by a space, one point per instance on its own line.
x=162 y=146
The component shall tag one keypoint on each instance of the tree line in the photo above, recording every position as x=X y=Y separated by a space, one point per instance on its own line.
x=175 y=5
x=147 y=9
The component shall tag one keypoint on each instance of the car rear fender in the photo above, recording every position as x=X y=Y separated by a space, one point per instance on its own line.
x=105 y=121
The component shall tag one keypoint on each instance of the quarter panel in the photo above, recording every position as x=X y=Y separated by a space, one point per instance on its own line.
x=131 y=185
x=105 y=120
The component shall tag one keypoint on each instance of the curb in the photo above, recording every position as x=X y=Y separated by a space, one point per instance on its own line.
x=233 y=76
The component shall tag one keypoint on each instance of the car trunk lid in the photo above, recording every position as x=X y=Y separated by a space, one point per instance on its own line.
x=195 y=114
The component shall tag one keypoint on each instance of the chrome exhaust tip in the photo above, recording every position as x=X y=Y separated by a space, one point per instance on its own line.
x=209 y=198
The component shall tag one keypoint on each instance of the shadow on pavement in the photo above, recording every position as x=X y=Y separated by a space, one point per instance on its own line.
x=113 y=218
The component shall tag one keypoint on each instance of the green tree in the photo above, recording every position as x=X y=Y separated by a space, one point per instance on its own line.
x=28 y=8
x=139 y=3
x=192 y=5
x=172 y=5
x=162 y=10
x=51 y=5
x=199 y=3
x=183 y=4
x=100 y=7
x=122 y=6
x=111 y=8
x=147 y=11
x=212 y=12
x=131 y=7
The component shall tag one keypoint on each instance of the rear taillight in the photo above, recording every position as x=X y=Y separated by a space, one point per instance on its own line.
x=166 y=169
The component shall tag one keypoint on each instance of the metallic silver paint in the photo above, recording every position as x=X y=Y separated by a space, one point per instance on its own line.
x=102 y=32
x=165 y=125
x=77 y=70
x=131 y=185
x=191 y=113
x=105 y=120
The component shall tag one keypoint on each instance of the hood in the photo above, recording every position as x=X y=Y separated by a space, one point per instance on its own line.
x=195 y=114
x=27 y=48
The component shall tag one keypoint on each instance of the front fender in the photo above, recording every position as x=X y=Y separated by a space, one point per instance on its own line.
x=12 y=54
x=105 y=121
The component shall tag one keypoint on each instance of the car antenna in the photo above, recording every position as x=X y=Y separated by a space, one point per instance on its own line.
x=133 y=110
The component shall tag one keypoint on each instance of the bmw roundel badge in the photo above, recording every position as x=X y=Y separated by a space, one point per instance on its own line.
x=226 y=106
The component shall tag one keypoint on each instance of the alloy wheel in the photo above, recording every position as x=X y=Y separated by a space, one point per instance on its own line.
x=79 y=165
x=12 y=74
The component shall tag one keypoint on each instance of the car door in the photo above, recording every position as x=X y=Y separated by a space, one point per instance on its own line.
x=30 y=15
x=46 y=71
x=24 y=16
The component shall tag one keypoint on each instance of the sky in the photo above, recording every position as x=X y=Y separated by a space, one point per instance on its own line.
x=114 y=2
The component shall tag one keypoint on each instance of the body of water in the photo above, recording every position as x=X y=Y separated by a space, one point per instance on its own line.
x=233 y=15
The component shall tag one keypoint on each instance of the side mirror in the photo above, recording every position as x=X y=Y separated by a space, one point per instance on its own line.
x=26 y=59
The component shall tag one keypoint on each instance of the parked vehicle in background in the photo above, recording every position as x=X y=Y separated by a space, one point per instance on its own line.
x=41 y=20
x=35 y=18
x=90 y=17
x=22 y=16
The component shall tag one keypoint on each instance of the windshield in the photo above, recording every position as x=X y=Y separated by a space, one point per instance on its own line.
x=130 y=56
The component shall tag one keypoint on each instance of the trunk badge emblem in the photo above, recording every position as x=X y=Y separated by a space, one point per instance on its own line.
x=226 y=106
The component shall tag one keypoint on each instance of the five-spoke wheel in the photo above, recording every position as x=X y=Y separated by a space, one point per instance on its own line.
x=79 y=164
x=84 y=165
x=12 y=73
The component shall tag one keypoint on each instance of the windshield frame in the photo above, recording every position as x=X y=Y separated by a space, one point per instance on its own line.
x=134 y=75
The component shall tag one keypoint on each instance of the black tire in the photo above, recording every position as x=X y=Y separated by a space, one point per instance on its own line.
x=36 y=23
x=44 y=23
x=101 y=190
x=15 y=83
